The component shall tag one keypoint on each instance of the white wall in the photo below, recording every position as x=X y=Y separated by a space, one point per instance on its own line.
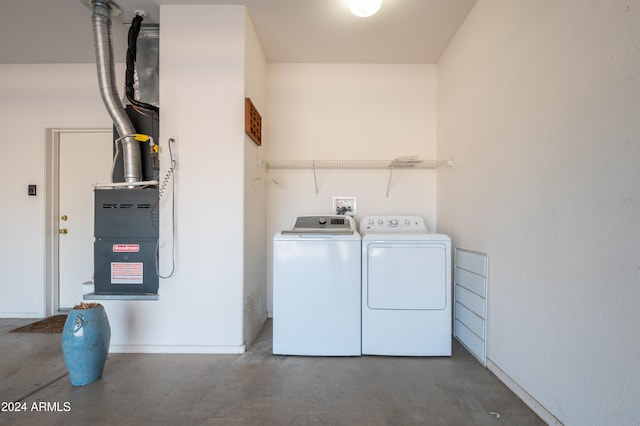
x=349 y=112
x=216 y=300
x=201 y=98
x=539 y=106
x=34 y=98
x=255 y=215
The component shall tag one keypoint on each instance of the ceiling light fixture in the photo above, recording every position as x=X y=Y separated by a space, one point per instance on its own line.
x=364 y=8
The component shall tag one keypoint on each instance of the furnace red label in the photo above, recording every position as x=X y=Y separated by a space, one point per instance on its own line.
x=127 y=273
x=126 y=248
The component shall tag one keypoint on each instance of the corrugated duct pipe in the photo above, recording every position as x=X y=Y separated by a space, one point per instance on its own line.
x=101 y=24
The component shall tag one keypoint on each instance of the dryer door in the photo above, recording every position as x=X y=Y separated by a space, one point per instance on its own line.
x=406 y=276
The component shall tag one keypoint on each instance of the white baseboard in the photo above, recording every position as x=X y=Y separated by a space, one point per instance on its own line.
x=530 y=401
x=25 y=315
x=179 y=349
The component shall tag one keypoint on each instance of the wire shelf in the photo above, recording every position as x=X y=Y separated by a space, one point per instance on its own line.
x=355 y=164
x=401 y=163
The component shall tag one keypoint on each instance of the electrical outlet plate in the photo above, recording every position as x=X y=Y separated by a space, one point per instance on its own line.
x=348 y=202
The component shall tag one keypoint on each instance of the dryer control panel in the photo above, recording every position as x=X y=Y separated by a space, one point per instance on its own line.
x=392 y=224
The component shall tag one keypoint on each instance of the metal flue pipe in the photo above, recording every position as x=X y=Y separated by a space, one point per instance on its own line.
x=101 y=24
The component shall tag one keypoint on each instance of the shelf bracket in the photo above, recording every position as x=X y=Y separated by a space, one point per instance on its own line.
x=315 y=178
x=389 y=182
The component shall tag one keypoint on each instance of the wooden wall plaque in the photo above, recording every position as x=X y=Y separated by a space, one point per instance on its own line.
x=252 y=122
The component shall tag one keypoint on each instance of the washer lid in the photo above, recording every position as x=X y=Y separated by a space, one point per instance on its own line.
x=322 y=225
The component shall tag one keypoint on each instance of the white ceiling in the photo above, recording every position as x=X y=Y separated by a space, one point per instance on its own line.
x=321 y=31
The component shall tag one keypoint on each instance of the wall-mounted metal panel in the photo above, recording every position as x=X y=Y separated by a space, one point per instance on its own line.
x=470 y=295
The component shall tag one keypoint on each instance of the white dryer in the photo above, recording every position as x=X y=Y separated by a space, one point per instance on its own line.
x=316 y=287
x=406 y=288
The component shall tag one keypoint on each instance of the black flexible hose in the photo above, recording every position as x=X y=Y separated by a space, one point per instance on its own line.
x=132 y=51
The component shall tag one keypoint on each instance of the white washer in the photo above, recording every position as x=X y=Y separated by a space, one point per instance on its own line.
x=406 y=288
x=316 y=287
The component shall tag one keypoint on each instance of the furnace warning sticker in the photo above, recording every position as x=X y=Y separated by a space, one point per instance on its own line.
x=126 y=273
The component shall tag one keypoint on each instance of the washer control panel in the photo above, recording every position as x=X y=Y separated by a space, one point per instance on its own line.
x=392 y=224
x=322 y=222
x=322 y=225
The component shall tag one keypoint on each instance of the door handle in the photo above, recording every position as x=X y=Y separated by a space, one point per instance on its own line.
x=64 y=217
x=63 y=231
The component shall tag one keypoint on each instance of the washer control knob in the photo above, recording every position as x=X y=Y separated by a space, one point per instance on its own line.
x=393 y=222
x=407 y=222
x=380 y=222
x=371 y=221
x=322 y=220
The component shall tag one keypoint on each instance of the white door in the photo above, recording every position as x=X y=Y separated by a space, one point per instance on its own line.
x=85 y=159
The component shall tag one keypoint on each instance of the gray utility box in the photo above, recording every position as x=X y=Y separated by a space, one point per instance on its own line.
x=126 y=239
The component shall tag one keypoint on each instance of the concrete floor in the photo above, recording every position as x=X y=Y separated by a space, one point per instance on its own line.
x=255 y=388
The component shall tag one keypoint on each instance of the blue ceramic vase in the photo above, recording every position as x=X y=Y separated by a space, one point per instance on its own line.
x=85 y=343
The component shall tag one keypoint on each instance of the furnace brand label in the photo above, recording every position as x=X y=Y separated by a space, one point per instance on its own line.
x=126 y=273
x=126 y=248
